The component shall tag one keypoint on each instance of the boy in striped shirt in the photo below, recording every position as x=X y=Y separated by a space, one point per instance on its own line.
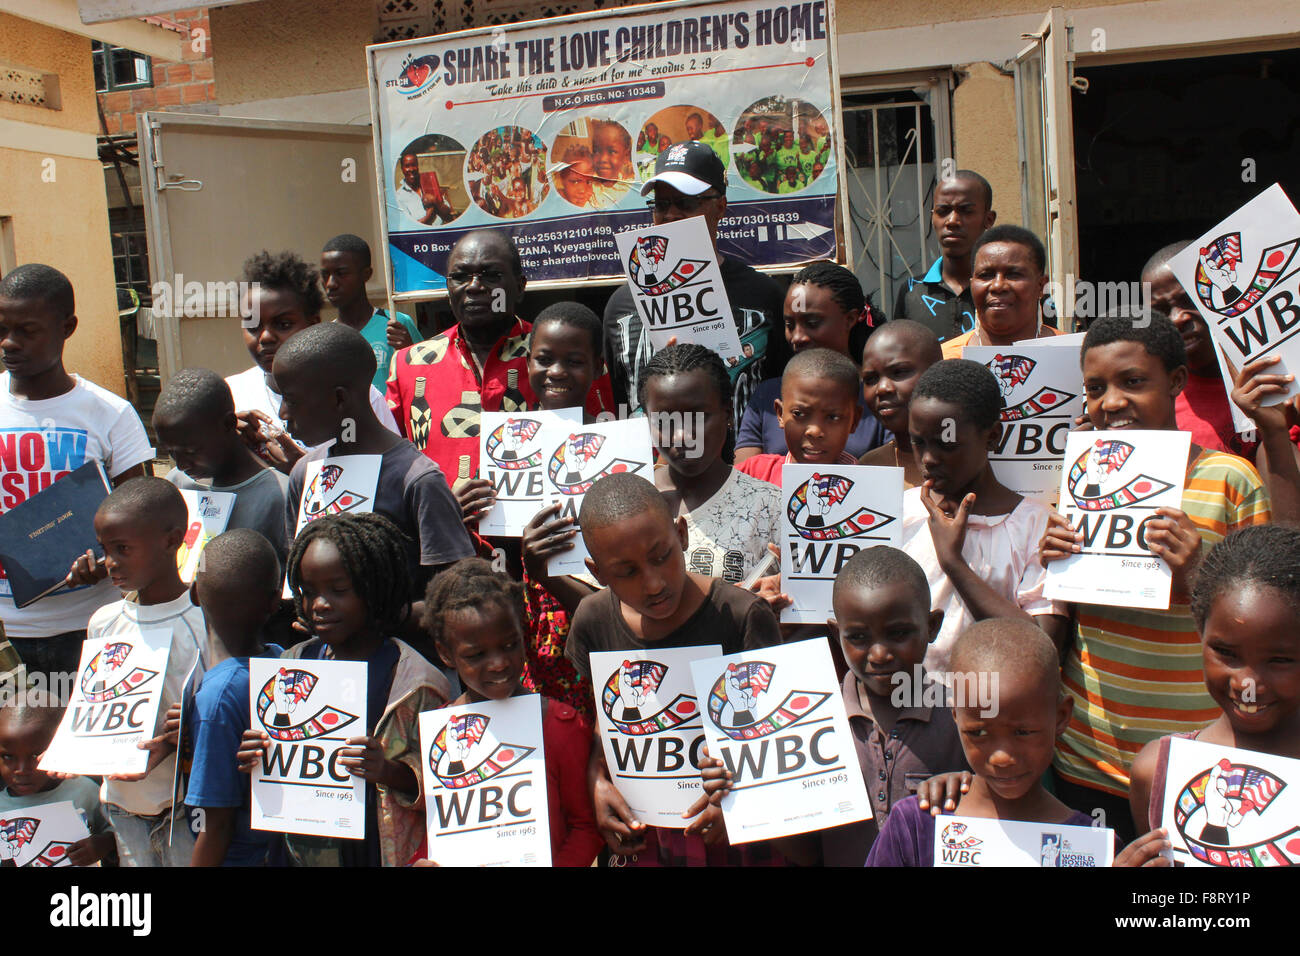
x=1135 y=675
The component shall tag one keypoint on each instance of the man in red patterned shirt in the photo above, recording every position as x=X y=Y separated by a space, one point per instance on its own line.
x=438 y=387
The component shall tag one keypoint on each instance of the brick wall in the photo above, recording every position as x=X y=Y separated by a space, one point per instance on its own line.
x=186 y=86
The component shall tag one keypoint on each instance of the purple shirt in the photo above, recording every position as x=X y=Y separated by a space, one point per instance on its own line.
x=907 y=838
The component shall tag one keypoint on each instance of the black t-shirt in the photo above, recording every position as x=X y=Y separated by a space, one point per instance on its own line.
x=757 y=303
x=730 y=616
x=930 y=302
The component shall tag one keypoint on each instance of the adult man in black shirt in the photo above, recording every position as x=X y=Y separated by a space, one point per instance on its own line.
x=690 y=180
x=941 y=300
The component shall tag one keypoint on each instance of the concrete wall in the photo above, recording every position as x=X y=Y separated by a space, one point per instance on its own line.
x=984 y=134
x=63 y=223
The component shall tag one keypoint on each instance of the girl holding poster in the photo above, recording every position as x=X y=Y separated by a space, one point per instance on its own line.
x=1246 y=602
x=351 y=591
x=476 y=620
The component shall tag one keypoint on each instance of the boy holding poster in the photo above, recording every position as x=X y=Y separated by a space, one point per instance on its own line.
x=1246 y=603
x=140 y=526
x=323 y=374
x=975 y=538
x=651 y=602
x=1008 y=746
x=476 y=620
x=238 y=588
x=352 y=594
x=1135 y=673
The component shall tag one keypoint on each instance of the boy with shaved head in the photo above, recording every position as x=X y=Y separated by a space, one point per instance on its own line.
x=892 y=361
x=140 y=527
x=651 y=601
x=323 y=374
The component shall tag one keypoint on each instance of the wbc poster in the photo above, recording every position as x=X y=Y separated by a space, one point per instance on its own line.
x=672 y=272
x=485 y=798
x=1112 y=484
x=830 y=513
x=775 y=717
x=1227 y=807
x=209 y=515
x=332 y=486
x=114 y=705
x=648 y=719
x=512 y=453
x=547 y=129
x=309 y=709
x=40 y=837
x=576 y=460
x=973 y=842
x=1244 y=276
x=1042 y=394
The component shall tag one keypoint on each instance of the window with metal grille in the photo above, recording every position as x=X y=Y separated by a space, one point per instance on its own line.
x=119 y=69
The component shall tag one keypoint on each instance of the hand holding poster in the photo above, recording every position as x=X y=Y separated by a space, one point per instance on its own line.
x=485 y=798
x=1112 y=484
x=309 y=709
x=209 y=515
x=1042 y=394
x=512 y=455
x=648 y=719
x=775 y=717
x=672 y=272
x=831 y=513
x=576 y=460
x=1227 y=807
x=1244 y=276
x=40 y=836
x=114 y=705
x=981 y=842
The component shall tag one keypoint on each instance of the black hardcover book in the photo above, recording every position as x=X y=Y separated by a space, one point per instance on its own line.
x=41 y=537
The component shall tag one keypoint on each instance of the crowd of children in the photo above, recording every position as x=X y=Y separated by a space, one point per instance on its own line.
x=1086 y=697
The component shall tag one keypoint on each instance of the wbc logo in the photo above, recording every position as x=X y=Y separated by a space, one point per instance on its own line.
x=1217 y=284
x=320 y=498
x=954 y=836
x=1097 y=481
x=646 y=266
x=459 y=756
x=17 y=833
x=506 y=444
x=738 y=696
x=812 y=510
x=107 y=677
x=1222 y=815
x=629 y=700
x=576 y=459
x=280 y=700
x=1013 y=371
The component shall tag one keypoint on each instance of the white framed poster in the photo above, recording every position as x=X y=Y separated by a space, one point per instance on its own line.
x=983 y=842
x=485 y=797
x=209 y=515
x=650 y=728
x=1111 y=486
x=512 y=455
x=40 y=836
x=309 y=709
x=830 y=513
x=775 y=717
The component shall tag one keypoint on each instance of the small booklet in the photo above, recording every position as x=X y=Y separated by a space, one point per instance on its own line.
x=41 y=537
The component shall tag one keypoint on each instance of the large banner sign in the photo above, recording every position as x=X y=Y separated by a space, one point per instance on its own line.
x=547 y=130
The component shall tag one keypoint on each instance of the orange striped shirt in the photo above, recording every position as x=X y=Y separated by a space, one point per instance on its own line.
x=1135 y=674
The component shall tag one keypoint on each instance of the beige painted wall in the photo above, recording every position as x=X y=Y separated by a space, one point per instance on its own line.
x=859 y=16
x=63 y=223
x=290 y=47
x=984 y=134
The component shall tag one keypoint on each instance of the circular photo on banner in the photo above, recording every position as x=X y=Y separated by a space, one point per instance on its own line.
x=781 y=145
x=428 y=181
x=506 y=172
x=591 y=163
x=674 y=124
